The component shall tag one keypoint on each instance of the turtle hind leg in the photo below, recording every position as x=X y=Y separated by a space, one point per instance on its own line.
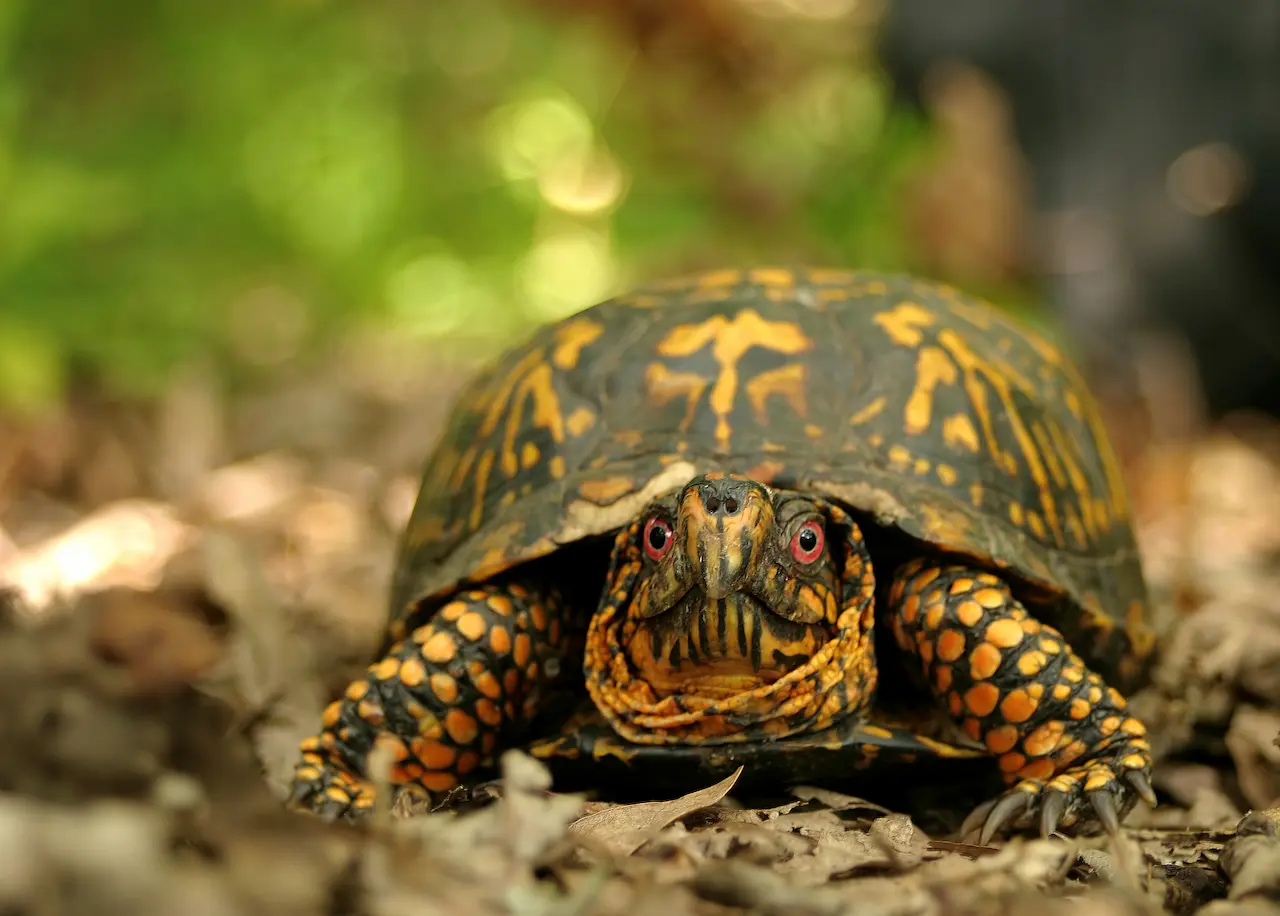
x=1064 y=742
x=445 y=697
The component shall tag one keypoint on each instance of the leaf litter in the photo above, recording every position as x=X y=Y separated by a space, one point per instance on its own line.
x=183 y=591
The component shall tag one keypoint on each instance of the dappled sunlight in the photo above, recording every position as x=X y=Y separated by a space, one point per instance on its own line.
x=128 y=544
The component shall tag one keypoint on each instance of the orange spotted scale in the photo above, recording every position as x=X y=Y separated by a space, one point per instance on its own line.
x=663 y=532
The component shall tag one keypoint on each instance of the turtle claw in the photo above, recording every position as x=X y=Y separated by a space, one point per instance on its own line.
x=329 y=794
x=1140 y=783
x=977 y=817
x=331 y=811
x=1005 y=812
x=1104 y=805
x=1089 y=792
x=1052 y=806
x=301 y=795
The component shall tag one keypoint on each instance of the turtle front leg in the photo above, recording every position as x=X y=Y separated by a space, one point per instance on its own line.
x=1063 y=739
x=444 y=698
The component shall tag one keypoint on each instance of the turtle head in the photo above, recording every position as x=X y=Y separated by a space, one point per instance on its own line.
x=736 y=586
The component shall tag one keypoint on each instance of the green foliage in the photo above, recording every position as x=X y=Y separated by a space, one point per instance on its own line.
x=244 y=180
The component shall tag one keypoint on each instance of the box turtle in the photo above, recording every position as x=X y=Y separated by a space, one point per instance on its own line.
x=728 y=506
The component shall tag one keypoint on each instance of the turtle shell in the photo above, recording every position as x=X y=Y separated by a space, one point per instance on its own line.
x=928 y=410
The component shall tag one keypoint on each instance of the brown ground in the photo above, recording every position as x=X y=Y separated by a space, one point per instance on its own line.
x=185 y=593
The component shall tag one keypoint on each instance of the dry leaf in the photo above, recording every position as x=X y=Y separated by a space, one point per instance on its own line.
x=1252 y=743
x=156 y=636
x=1198 y=788
x=837 y=801
x=128 y=543
x=904 y=841
x=625 y=828
x=267 y=672
x=1252 y=859
x=533 y=818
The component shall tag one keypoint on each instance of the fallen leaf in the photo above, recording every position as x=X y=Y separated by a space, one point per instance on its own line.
x=532 y=817
x=157 y=637
x=267 y=673
x=1251 y=741
x=625 y=828
x=1252 y=859
x=128 y=543
x=904 y=841
x=1199 y=788
x=837 y=801
x=836 y=854
x=730 y=838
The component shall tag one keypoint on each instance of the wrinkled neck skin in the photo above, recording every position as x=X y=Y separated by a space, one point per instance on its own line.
x=748 y=613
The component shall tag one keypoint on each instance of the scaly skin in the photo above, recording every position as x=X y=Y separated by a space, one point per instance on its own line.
x=733 y=612
x=446 y=698
x=1062 y=738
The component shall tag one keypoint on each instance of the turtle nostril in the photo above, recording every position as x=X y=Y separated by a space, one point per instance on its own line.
x=722 y=499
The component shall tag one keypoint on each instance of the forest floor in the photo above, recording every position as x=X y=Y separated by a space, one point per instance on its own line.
x=188 y=582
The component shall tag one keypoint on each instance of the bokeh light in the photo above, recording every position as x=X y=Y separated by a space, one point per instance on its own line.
x=244 y=185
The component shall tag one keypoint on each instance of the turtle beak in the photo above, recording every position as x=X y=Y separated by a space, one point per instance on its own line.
x=722 y=523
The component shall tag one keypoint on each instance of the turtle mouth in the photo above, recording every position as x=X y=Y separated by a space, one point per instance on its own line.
x=719 y=646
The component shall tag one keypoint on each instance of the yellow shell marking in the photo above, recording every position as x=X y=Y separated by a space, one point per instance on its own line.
x=975 y=368
x=903 y=323
x=664 y=385
x=772 y=276
x=958 y=431
x=572 y=338
x=1110 y=461
x=978 y=317
x=730 y=339
x=829 y=276
x=607 y=489
x=1050 y=454
x=709 y=294
x=531 y=381
x=787 y=381
x=581 y=420
x=536 y=386
x=713 y=278
x=933 y=367
x=1072 y=400
x=483 y=469
x=975 y=494
x=1045 y=350
x=869 y=412
x=1065 y=450
x=1085 y=410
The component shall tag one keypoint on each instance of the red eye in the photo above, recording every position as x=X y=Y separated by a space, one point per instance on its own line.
x=807 y=543
x=657 y=538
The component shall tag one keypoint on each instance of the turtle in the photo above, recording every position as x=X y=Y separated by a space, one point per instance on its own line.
x=720 y=510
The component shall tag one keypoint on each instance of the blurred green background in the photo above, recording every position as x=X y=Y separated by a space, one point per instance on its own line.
x=246 y=183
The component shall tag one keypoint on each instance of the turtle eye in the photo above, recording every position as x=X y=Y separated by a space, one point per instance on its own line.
x=657 y=538
x=807 y=542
